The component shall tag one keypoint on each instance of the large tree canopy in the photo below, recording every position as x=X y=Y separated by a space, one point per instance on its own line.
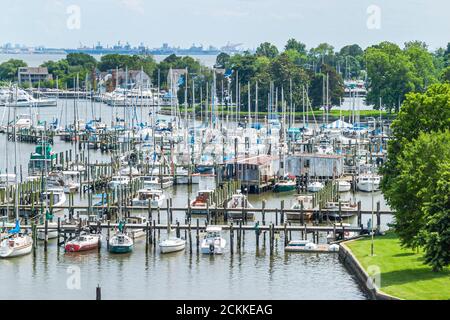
x=8 y=69
x=418 y=158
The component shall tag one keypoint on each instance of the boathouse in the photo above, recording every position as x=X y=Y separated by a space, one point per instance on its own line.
x=322 y=166
x=255 y=173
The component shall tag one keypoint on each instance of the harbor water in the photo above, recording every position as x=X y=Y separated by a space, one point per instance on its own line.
x=249 y=274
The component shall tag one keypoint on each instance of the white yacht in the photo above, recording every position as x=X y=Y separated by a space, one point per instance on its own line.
x=315 y=186
x=17 y=97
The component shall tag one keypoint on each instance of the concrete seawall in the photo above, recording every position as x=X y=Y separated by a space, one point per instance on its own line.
x=355 y=268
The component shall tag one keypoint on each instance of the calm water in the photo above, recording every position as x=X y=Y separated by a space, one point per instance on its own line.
x=34 y=60
x=251 y=274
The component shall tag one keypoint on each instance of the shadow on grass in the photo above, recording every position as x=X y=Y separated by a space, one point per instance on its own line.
x=405 y=254
x=411 y=275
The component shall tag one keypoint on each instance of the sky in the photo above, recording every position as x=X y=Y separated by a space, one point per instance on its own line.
x=69 y=23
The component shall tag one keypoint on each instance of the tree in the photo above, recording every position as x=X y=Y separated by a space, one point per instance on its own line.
x=298 y=46
x=267 y=49
x=351 y=59
x=8 y=69
x=445 y=75
x=420 y=196
x=318 y=87
x=422 y=61
x=222 y=60
x=421 y=113
x=81 y=59
x=391 y=75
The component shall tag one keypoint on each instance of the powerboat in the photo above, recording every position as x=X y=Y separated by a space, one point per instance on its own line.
x=213 y=243
x=239 y=201
x=155 y=196
x=200 y=204
x=368 y=182
x=344 y=186
x=315 y=186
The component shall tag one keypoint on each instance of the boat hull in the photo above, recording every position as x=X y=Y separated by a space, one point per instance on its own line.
x=120 y=248
x=16 y=252
x=172 y=248
x=284 y=188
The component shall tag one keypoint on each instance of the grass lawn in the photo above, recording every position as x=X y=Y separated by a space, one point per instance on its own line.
x=403 y=273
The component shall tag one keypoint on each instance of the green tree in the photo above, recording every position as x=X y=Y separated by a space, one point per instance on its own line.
x=81 y=59
x=445 y=75
x=8 y=69
x=222 y=60
x=317 y=91
x=427 y=112
x=420 y=196
x=391 y=75
x=267 y=49
x=422 y=61
x=298 y=46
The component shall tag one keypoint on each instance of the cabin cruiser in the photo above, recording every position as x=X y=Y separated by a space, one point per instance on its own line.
x=304 y=202
x=135 y=233
x=154 y=182
x=348 y=209
x=368 y=182
x=344 y=186
x=200 y=204
x=23 y=121
x=17 y=98
x=59 y=198
x=119 y=181
x=182 y=176
x=239 y=201
x=212 y=242
x=315 y=186
x=154 y=196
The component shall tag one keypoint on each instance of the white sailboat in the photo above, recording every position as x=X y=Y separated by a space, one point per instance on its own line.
x=15 y=243
x=172 y=244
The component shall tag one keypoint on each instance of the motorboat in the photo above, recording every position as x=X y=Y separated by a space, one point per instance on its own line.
x=155 y=196
x=119 y=181
x=135 y=233
x=239 y=201
x=368 y=182
x=315 y=186
x=15 y=245
x=202 y=202
x=344 y=186
x=55 y=197
x=155 y=182
x=304 y=202
x=212 y=242
x=348 y=209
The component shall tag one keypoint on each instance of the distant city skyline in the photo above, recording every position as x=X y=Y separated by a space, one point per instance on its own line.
x=181 y=23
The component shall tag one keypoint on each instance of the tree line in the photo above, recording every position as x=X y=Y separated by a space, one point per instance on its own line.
x=390 y=73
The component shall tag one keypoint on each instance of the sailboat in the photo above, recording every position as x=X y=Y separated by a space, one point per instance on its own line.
x=171 y=244
x=120 y=242
x=15 y=243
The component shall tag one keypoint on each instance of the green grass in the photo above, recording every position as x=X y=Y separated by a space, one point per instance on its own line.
x=403 y=273
x=333 y=113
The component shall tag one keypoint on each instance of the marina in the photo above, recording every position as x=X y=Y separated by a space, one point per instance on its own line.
x=94 y=192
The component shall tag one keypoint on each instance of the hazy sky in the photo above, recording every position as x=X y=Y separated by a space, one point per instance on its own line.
x=56 y=23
